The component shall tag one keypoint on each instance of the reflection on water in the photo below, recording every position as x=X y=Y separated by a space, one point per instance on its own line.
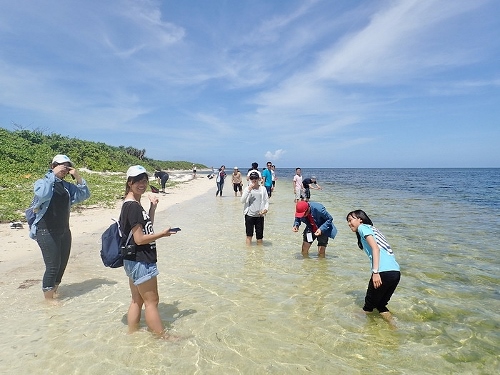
x=266 y=309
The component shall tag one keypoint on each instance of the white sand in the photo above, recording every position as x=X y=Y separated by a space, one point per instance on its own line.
x=17 y=249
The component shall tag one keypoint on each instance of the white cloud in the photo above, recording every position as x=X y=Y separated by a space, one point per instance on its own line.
x=214 y=76
x=276 y=155
x=145 y=28
x=397 y=42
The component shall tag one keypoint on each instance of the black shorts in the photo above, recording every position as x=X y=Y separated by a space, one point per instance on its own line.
x=256 y=222
x=379 y=298
x=237 y=187
x=322 y=240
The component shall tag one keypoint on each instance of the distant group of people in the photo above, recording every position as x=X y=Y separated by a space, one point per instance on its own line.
x=54 y=197
x=267 y=178
x=319 y=227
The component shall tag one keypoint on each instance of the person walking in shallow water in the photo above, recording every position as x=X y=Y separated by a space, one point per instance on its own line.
x=54 y=197
x=297 y=185
x=140 y=265
x=256 y=206
x=385 y=270
x=237 y=182
x=267 y=178
x=219 y=180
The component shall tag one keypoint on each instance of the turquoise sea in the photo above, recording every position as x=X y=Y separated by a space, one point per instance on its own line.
x=268 y=310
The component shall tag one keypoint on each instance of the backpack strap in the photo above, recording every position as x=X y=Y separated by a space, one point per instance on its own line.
x=128 y=238
x=120 y=231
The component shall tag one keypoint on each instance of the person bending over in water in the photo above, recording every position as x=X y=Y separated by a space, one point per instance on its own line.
x=319 y=226
x=385 y=270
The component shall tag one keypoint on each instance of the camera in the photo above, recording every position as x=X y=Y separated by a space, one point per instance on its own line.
x=128 y=251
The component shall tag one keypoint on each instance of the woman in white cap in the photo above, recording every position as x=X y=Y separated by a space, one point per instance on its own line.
x=140 y=264
x=237 y=182
x=52 y=202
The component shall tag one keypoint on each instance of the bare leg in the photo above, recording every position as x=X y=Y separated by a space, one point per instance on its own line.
x=321 y=251
x=149 y=293
x=135 y=308
x=387 y=316
x=56 y=294
x=249 y=240
x=259 y=242
x=49 y=294
x=305 y=248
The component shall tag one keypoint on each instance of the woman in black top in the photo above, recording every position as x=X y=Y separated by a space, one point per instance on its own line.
x=52 y=203
x=140 y=267
x=162 y=176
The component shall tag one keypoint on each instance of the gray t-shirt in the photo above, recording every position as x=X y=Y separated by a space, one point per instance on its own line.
x=255 y=202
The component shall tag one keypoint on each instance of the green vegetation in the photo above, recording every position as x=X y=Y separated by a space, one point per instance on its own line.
x=25 y=156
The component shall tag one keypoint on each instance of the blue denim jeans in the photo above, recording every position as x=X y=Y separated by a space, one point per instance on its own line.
x=220 y=186
x=55 y=248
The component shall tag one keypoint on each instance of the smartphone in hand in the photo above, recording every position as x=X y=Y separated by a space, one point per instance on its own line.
x=174 y=230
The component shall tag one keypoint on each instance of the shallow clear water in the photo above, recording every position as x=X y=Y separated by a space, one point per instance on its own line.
x=267 y=310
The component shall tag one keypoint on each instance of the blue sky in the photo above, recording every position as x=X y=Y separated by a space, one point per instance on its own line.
x=339 y=83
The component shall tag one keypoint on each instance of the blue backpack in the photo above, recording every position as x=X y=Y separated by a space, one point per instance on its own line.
x=111 y=245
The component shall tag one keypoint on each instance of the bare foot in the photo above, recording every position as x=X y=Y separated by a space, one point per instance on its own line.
x=173 y=338
x=387 y=316
x=53 y=302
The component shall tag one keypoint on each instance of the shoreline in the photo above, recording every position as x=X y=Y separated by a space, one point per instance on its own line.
x=87 y=225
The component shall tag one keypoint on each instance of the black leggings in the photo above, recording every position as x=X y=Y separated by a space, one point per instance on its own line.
x=55 y=248
x=379 y=298
x=164 y=180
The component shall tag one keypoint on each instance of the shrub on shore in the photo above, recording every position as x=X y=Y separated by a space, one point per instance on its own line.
x=25 y=156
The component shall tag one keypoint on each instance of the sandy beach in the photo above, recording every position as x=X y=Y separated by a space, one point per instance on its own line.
x=17 y=249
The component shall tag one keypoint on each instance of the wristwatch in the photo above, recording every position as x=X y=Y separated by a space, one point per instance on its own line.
x=374 y=271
